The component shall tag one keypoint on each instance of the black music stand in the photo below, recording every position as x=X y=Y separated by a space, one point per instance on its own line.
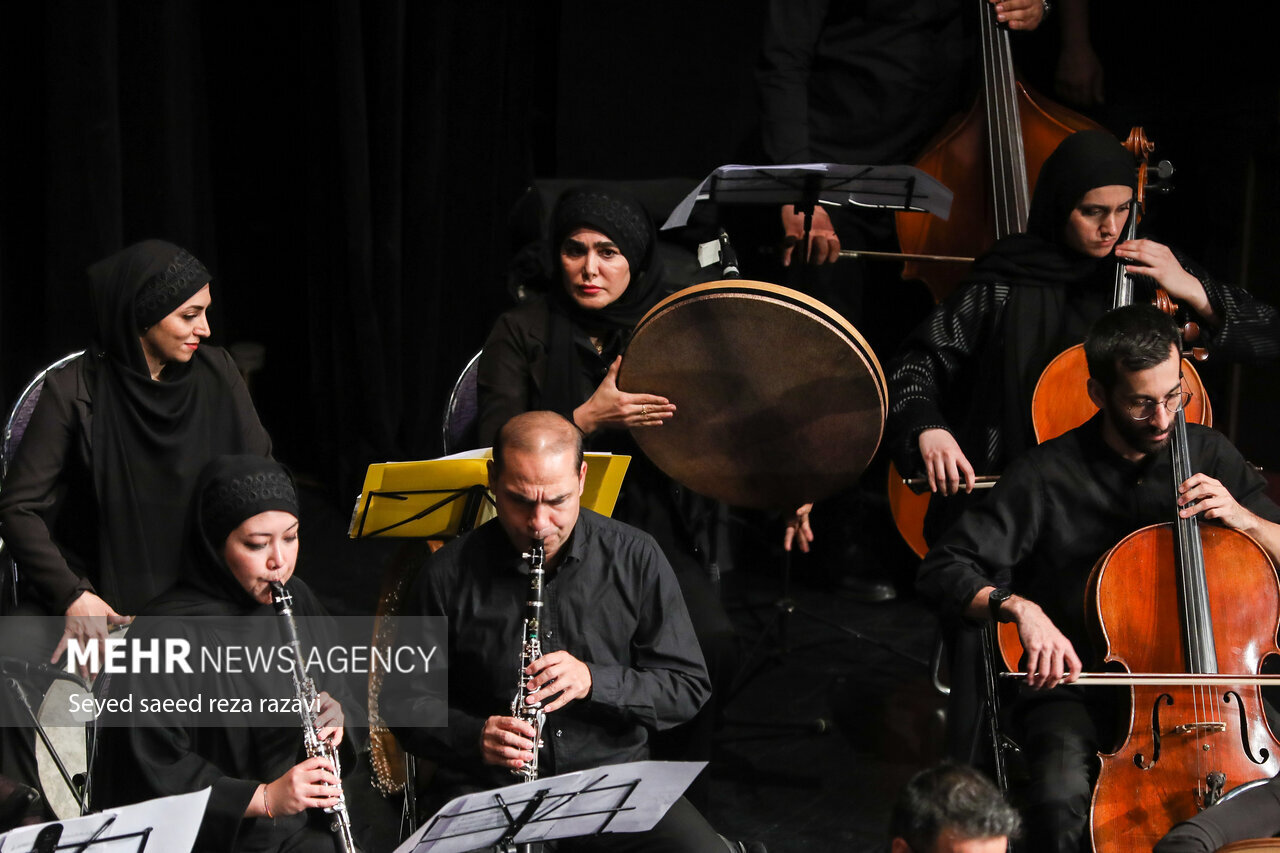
x=164 y=825
x=617 y=798
x=810 y=184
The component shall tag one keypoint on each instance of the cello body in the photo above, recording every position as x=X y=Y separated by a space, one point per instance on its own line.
x=1061 y=400
x=1179 y=736
x=1182 y=597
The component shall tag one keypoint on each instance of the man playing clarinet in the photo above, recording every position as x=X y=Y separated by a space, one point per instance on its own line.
x=619 y=657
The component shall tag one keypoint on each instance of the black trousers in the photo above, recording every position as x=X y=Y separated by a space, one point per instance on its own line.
x=1060 y=736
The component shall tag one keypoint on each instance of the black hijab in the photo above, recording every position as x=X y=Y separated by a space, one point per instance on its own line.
x=230 y=490
x=165 y=752
x=616 y=214
x=149 y=438
x=1042 y=268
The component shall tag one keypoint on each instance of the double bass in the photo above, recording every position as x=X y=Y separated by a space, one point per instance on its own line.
x=990 y=158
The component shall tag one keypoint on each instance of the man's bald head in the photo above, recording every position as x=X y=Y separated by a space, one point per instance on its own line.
x=539 y=433
x=537 y=477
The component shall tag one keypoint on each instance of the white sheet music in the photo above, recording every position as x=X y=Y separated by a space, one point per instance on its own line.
x=617 y=798
x=166 y=825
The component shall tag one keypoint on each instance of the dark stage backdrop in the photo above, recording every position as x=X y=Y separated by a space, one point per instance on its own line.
x=346 y=169
x=343 y=167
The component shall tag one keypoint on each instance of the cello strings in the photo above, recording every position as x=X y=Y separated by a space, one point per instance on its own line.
x=1200 y=648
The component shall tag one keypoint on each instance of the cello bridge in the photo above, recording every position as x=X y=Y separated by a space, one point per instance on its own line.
x=1203 y=728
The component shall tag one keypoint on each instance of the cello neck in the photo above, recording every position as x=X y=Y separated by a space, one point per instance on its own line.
x=1009 y=190
x=1193 y=591
x=1123 y=294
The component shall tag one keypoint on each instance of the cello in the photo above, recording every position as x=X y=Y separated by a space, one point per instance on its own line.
x=1060 y=401
x=1168 y=599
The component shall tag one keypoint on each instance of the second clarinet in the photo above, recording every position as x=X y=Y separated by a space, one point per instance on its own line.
x=305 y=692
x=531 y=650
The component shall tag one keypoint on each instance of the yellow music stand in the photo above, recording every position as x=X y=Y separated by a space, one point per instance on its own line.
x=440 y=498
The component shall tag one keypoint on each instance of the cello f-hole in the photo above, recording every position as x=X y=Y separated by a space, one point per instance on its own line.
x=1138 y=760
x=1244 y=730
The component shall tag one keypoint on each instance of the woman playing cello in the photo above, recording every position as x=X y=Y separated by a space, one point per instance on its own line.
x=960 y=387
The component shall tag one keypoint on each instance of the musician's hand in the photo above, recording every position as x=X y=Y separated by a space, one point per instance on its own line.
x=1214 y=501
x=1051 y=660
x=1156 y=260
x=1019 y=14
x=329 y=719
x=824 y=243
x=88 y=619
x=558 y=673
x=610 y=407
x=506 y=742
x=945 y=463
x=309 y=785
x=798 y=529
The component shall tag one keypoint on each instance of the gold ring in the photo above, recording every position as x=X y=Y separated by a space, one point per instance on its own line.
x=644 y=410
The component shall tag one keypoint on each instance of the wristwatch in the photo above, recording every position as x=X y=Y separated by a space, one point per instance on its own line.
x=998 y=596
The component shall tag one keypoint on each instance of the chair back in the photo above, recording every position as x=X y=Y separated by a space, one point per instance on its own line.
x=462 y=413
x=14 y=428
x=20 y=416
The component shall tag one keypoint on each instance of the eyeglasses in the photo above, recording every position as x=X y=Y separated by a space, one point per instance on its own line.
x=1174 y=403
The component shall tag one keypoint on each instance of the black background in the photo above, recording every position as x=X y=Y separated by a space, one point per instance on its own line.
x=347 y=169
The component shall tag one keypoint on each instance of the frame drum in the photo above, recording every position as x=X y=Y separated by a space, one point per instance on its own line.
x=66 y=729
x=779 y=400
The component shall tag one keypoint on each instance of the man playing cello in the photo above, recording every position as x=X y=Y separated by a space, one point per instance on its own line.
x=1025 y=554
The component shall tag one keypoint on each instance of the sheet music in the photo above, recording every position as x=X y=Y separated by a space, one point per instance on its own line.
x=617 y=798
x=172 y=821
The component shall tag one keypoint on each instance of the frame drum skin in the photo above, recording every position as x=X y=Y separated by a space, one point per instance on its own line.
x=779 y=400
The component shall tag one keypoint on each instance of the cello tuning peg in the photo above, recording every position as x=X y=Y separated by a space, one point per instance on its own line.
x=1158 y=175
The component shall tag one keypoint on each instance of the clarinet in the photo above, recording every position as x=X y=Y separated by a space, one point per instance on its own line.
x=304 y=690
x=530 y=650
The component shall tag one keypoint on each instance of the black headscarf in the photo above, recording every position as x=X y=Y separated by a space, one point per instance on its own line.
x=230 y=490
x=615 y=213
x=1042 y=267
x=164 y=752
x=1081 y=162
x=149 y=438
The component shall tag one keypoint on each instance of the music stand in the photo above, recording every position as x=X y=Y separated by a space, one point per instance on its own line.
x=617 y=798
x=810 y=184
x=439 y=498
x=167 y=824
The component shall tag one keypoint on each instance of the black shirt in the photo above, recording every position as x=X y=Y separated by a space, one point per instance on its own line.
x=865 y=83
x=1060 y=507
x=613 y=603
